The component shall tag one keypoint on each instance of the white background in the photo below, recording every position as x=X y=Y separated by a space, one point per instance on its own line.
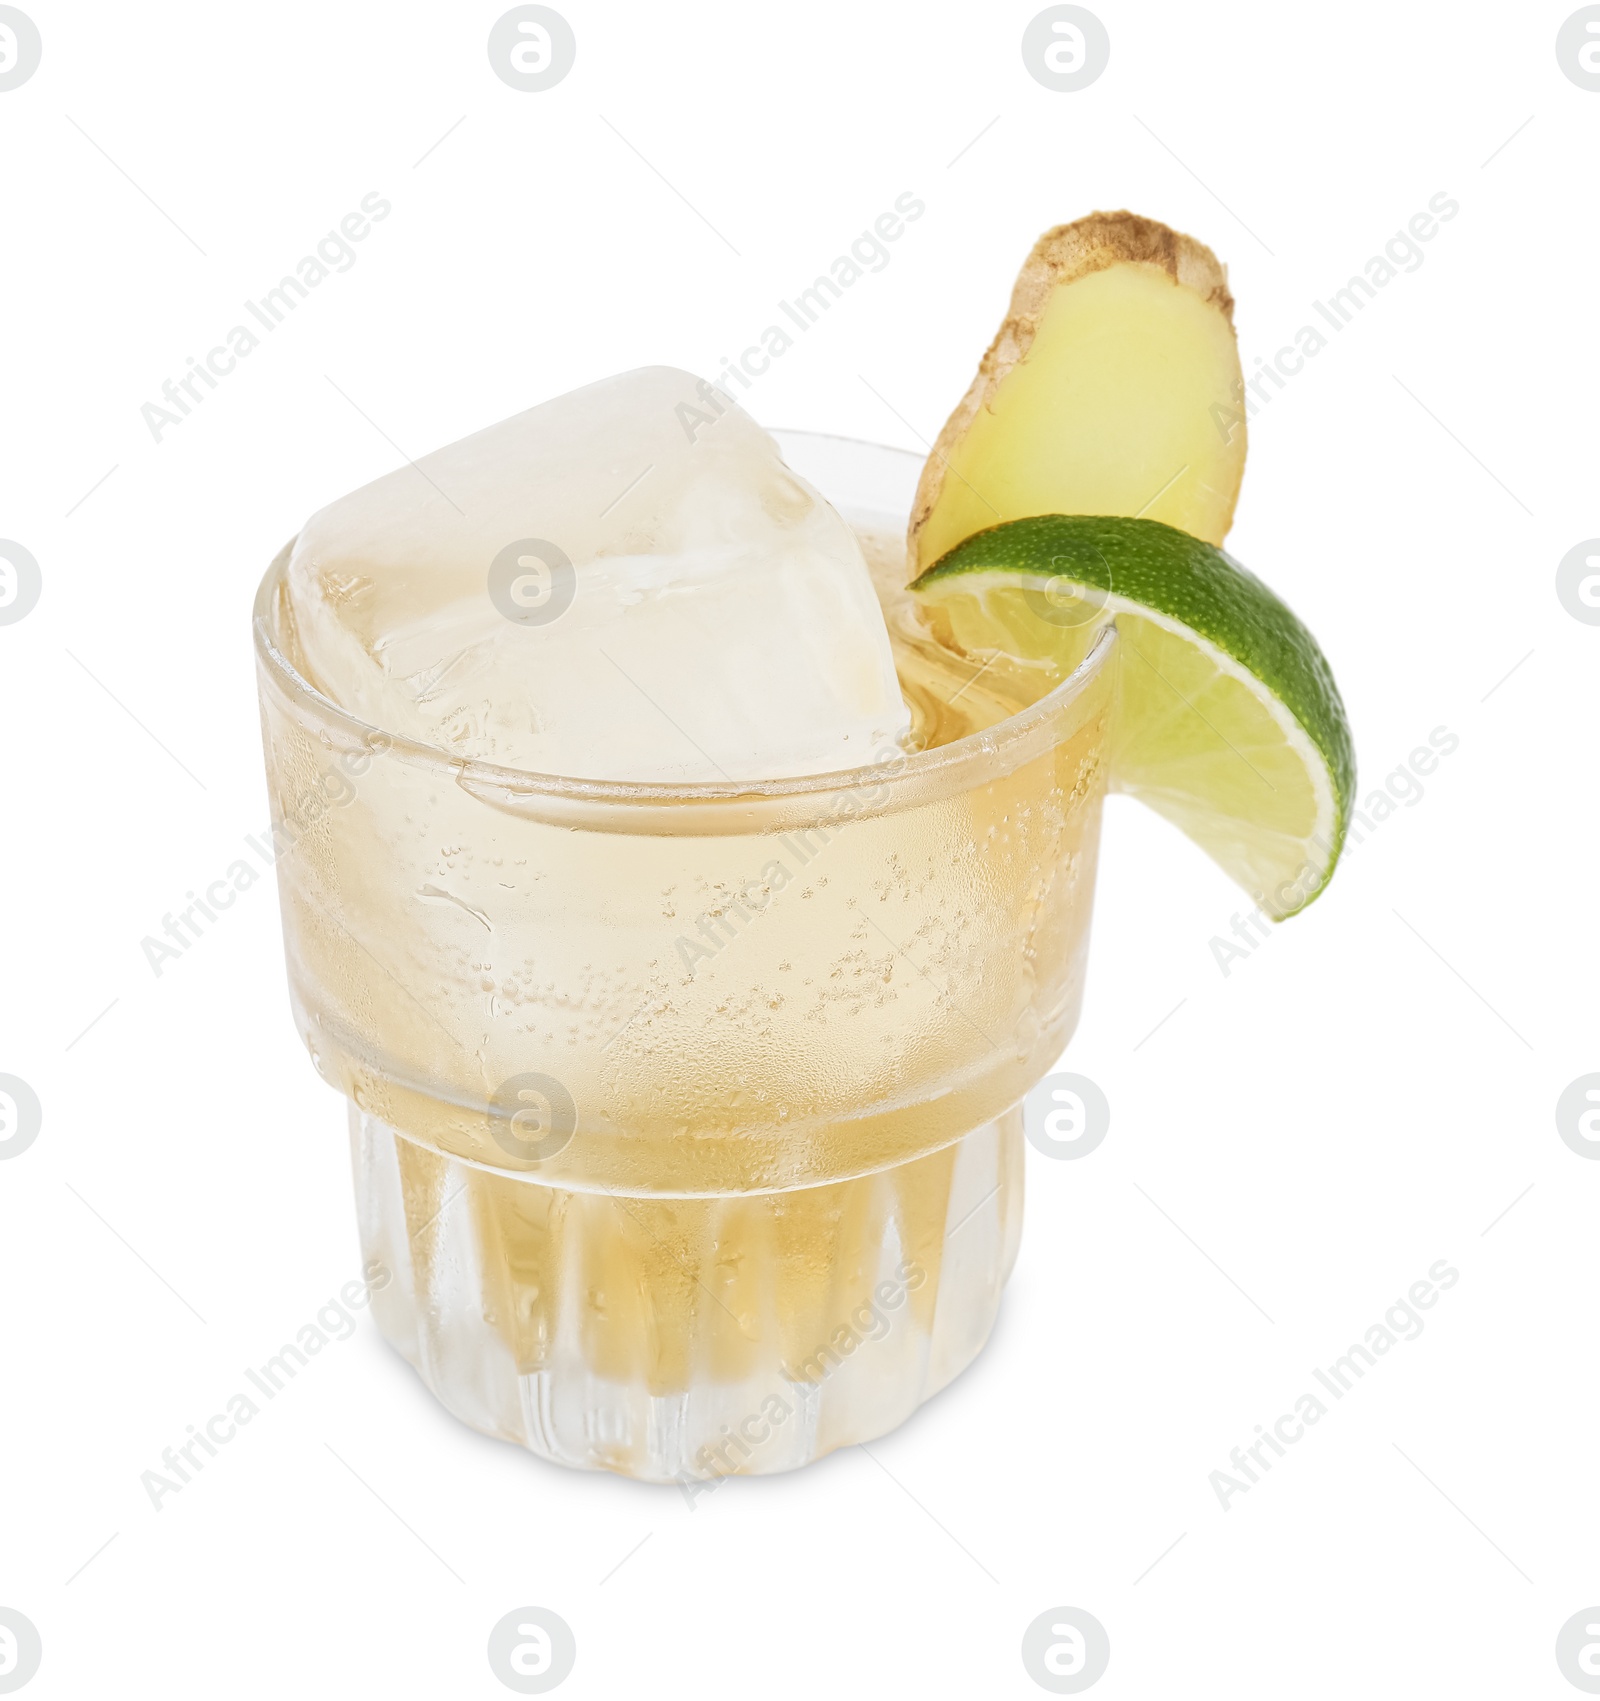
x=1366 y=1093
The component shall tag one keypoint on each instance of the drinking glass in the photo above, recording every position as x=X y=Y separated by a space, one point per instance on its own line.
x=685 y=1119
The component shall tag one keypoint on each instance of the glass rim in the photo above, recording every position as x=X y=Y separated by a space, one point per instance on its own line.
x=1008 y=743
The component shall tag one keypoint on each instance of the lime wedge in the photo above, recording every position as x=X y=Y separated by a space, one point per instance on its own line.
x=1228 y=720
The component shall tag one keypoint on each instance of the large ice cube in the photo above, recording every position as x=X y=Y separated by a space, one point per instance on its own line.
x=626 y=583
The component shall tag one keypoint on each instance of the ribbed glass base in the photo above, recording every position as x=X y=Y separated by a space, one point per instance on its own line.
x=682 y=1339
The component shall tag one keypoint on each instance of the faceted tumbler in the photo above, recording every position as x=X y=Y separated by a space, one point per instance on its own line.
x=685 y=1118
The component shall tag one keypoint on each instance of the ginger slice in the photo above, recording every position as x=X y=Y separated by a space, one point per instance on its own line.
x=1113 y=387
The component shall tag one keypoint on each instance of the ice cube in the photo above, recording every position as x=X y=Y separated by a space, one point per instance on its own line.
x=625 y=583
